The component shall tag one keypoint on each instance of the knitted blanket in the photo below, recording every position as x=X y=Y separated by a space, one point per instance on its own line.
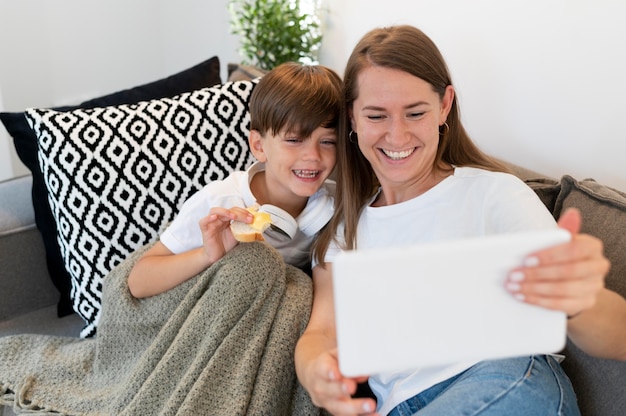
x=220 y=344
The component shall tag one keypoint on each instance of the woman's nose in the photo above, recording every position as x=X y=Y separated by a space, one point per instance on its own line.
x=398 y=131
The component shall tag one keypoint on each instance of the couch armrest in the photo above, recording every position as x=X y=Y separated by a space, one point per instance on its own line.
x=24 y=281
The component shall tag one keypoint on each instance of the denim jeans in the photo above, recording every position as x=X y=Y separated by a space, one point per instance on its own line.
x=533 y=386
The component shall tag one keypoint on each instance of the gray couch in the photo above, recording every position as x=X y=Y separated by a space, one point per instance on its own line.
x=28 y=298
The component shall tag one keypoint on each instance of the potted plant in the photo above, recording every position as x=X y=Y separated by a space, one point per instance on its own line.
x=275 y=31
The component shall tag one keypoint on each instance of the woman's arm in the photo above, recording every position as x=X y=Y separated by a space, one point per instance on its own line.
x=570 y=277
x=316 y=355
x=601 y=330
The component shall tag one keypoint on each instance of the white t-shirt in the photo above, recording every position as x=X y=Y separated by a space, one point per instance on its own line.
x=472 y=202
x=184 y=234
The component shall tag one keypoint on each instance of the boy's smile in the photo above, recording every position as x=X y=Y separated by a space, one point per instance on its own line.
x=306 y=174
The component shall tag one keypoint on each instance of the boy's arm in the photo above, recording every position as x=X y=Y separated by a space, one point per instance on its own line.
x=159 y=270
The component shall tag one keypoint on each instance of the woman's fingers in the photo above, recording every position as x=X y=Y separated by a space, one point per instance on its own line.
x=571 y=296
x=565 y=277
x=334 y=393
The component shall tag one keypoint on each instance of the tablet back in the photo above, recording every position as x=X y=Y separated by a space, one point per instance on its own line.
x=430 y=304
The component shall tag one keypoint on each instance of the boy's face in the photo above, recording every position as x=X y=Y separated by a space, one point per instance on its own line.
x=294 y=166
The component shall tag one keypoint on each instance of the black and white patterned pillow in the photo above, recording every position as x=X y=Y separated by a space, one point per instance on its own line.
x=116 y=175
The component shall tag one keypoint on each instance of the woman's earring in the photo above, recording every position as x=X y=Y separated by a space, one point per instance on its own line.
x=445 y=130
x=351 y=138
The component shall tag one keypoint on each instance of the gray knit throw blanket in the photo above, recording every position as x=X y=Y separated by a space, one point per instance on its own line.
x=220 y=344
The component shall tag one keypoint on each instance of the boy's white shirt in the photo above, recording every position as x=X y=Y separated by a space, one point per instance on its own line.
x=184 y=234
x=470 y=203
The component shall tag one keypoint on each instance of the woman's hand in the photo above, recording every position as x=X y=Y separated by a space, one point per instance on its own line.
x=316 y=360
x=217 y=239
x=330 y=390
x=568 y=277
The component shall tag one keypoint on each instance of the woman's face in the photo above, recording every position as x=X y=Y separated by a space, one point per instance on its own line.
x=396 y=117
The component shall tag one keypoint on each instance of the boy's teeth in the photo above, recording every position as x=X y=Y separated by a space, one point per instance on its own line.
x=398 y=155
x=306 y=173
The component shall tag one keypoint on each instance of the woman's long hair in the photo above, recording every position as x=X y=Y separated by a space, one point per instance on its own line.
x=407 y=49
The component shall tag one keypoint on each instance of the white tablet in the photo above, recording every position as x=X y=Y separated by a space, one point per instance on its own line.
x=431 y=304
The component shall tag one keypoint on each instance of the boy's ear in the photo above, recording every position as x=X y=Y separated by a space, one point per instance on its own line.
x=256 y=145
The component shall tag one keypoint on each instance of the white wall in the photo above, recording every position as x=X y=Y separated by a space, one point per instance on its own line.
x=65 y=51
x=540 y=82
x=6 y=165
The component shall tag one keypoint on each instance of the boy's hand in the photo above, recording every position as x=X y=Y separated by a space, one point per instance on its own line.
x=217 y=238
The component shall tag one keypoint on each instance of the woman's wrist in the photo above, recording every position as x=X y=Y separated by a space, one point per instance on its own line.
x=574 y=315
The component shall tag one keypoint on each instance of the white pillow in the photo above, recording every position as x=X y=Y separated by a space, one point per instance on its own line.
x=116 y=175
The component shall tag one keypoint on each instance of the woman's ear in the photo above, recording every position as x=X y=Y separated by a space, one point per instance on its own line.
x=351 y=117
x=256 y=145
x=446 y=102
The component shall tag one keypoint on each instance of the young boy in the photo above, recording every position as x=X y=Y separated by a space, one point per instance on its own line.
x=294 y=111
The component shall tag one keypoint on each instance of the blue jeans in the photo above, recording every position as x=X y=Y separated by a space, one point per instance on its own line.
x=533 y=386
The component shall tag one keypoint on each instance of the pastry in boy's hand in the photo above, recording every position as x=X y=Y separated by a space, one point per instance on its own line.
x=245 y=233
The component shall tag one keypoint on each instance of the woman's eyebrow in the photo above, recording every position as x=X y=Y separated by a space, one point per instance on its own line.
x=412 y=105
x=373 y=107
x=417 y=104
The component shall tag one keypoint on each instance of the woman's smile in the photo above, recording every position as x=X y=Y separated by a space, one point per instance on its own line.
x=398 y=155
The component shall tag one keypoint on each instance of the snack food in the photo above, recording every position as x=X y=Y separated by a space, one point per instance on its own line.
x=245 y=232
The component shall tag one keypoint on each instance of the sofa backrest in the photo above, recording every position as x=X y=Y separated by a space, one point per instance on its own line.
x=600 y=384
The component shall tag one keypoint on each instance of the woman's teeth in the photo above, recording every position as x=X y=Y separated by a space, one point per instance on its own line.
x=307 y=174
x=398 y=155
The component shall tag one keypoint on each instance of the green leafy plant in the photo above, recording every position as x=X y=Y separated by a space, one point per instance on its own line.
x=275 y=31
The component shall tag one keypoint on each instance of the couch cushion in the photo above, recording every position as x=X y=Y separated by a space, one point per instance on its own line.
x=204 y=74
x=239 y=72
x=599 y=383
x=16 y=211
x=22 y=258
x=546 y=189
x=116 y=175
x=604 y=215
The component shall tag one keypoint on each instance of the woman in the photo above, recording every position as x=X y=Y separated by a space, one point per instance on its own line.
x=408 y=173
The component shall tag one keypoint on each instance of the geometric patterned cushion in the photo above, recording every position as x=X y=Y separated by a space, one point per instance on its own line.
x=201 y=75
x=117 y=175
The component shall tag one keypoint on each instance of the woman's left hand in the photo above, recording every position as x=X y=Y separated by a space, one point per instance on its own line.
x=566 y=277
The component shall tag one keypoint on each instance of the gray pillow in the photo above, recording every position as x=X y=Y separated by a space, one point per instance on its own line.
x=599 y=383
x=604 y=216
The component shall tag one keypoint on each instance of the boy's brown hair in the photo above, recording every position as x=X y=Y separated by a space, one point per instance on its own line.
x=297 y=99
